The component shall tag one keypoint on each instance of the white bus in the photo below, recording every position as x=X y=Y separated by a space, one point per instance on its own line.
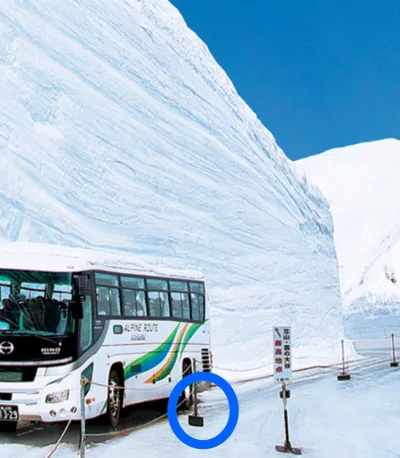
x=67 y=313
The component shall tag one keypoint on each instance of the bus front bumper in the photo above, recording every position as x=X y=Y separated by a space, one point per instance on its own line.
x=30 y=405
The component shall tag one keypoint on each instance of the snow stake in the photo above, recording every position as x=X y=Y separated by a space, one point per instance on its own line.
x=343 y=375
x=196 y=419
x=83 y=422
x=287 y=447
x=393 y=363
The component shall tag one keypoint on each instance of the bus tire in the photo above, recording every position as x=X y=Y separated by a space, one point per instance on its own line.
x=114 y=399
x=186 y=398
x=8 y=426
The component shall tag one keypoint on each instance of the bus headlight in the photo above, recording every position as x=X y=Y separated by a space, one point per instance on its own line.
x=58 y=396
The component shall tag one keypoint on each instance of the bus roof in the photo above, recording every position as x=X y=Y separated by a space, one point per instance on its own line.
x=55 y=258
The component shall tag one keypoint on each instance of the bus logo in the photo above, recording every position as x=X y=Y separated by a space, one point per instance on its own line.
x=6 y=348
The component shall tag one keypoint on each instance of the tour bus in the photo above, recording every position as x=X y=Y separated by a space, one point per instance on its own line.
x=69 y=313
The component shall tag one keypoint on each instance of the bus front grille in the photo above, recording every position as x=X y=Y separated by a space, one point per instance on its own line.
x=15 y=374
x=206 y=359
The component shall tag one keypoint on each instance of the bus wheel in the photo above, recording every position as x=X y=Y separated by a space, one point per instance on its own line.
x=115 y=397
x=8 y=426
x=186 y=399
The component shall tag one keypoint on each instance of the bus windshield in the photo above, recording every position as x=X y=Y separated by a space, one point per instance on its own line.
x=35 y=303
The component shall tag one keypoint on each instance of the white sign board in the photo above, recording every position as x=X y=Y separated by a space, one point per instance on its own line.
x=282 y=354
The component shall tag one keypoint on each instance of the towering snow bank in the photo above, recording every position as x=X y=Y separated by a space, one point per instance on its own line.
x=119 y=131
x=362 y=185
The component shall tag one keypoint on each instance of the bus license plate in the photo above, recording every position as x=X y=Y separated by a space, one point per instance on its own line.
x=9 y=413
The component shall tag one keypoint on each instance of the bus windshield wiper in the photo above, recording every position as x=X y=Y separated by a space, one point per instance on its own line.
x=49 y=339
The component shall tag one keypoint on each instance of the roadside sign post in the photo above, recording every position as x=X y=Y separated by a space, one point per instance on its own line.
x=343 y=376
x=196 y=419
x=282 y=354
x=394 y=363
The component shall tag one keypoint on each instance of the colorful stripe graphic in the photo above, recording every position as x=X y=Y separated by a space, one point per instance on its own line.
x=191 y=331
x=168 y=347
x=151 y=359
x=170 y=363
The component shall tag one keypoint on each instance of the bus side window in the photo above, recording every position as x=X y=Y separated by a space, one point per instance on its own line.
x=115 y=302
x=180 y=299
x=180 y=305
x=103 y=301
x=197 y=299
x=108 y=301
x=140 y=303
x=86 y=324
x=185 y=306
x=106 y=279
x=128 y=296
x=154 y=304
x=134 y=302
x=164 y=302
x=108 y=296
x=158 y=304
x=158 y=297
x=197 y=306
x=201 y=302
x=176 y=305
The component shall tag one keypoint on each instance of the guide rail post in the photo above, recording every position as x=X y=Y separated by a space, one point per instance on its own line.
x=343 y=375
x=196 y=419
x=288 y=445
x=394 y=363
x=82 y=439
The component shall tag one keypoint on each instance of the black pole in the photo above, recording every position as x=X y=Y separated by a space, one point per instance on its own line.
x=394 y=354
x=288 y=446
x=196 y=413
x=287 y=442
x=344 y=371
x=195 y=419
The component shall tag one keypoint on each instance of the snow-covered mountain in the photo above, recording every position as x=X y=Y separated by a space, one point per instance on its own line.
x=362 y=186
x=118 y=130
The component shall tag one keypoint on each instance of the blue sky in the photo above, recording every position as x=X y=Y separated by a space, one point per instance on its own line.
x=318 y=73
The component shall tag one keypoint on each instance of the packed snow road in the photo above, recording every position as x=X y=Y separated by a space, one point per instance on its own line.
x=359 y=418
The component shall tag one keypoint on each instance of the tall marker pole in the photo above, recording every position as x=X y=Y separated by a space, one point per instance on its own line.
x=285 y=396
x=394 y=363
x=195 y=419
x=282 y=351
x=343 y=375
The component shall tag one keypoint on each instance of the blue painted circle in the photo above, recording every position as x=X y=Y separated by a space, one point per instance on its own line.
x=233 y=410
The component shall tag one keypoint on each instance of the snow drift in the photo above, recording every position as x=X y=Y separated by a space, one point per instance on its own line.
x=119 y=131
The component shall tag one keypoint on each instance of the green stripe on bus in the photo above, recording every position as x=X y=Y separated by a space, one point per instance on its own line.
x=168 y=369
x=189 y=334
x=104 y=406
x=171 y=363
x=151 y=359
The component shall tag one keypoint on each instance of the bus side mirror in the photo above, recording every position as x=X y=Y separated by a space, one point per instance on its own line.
x=77 y=307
